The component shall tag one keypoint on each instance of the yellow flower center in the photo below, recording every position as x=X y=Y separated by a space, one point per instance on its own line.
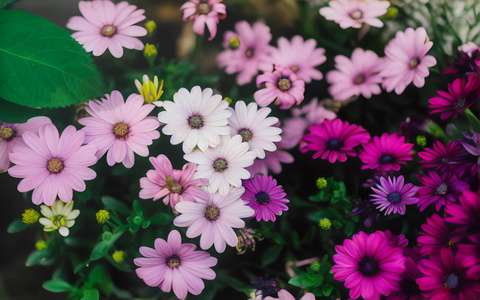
x=54 y=165
x=212 y=213
x=120 y=129
x=204 y=8
x=108 y=30
x=6 y=133
x=173 y=261
x=284 y=84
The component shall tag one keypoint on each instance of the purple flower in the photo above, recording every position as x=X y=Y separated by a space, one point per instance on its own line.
x=393 y=195
x=436 y=236
x=204 y=12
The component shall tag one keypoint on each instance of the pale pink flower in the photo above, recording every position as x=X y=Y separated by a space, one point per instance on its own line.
x=214 y=219
x=272 y=161
x=468 y=48
x=281 y=86
x=300 y=56
x=314 y=112
x=204 y=12
x=119 y=127
x=250 y=51
x=106 y=25
x=52 y=165
x=285 y=295
x=354 y=13
x=406 y=60
x=173 y=265
x=355 y=76
x=172 y=185
x=11 y=136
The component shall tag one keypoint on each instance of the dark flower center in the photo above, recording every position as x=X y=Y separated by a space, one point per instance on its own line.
x=108 y=30
x=442 y=189
x=359 y=79
x=387 y=159
x=460 y=103
x=195 y=121
x=220 y=165
x=120 y=129
x=173 y=261
x=54 y=165
x=284 y=84
x=262 y=197
x=6 y=133
x=334 y=144
x=452 y=281
x=246 y=134
x=212 y=213
x=368 y=266
x=409 y=287
x=249 y=52
x=203 y=8
x=413 y=63
x=356 y=15
x=394 y=198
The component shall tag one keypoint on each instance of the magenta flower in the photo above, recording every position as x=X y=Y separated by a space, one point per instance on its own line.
x=386 y=153
x=204 y=12
x=214 y=219
x=409 y=289
x=300 y=56
x=393 y=195
x=406 y=60
x=119 y=127
x=266 y=197
x=353 y=13
x=173 y=265
x=52 y=165
x=369 y=265
x=460 y=96
x=435 y=236
x=106 y=25
x=439 y=189
x=11 y=137
x=465 y=215
x=281 y=86
x=246 y=51
x=172 y=185
x=334 y=140
x=355 y=76
x=285 y=295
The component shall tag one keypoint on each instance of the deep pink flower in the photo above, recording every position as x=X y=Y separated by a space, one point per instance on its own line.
x=285 y=295
x=11 y=137
x=461 y=95
x=119 y=127
x=353 y=13
x=357 y=76
x=435 y=236
x=406 y=60
x=396 y=240
x=106 y=25
x=465 y=215
x=409 y=289
x=52 y=165
x=281 y=86
x=266 y=197
x=172 y=185
x=334 y=140
x=204 y=12
x=393 y=195
x=173 y=265
x=386 y=153
x=369 y=265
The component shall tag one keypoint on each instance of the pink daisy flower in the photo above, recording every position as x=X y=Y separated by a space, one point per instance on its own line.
x=266 y=197
x=353 y=13
x=285 y=295
x=52 y=165
x=281 y=86
x=119 y=127
x=369 y=265
x=386 y=153
x=409 y=289
x=11 y=137
x=334 y=140
x=246 y=51
x=106 y=25
x=435 y=236
x=272 y=161
x=204 y=12
x=300 y=56
x=465 y=215
x=393 y=195
x=314 y=112
x=173 y=265
x=172 y=185
x=355 y=76
x=214 y=219
x=406 y=60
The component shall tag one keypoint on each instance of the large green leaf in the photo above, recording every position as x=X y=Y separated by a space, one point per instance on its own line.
x=42 y=66
x=13 y=113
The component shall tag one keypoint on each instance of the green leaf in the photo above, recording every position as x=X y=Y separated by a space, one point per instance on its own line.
x=57 y=286
x=271 y=254
x=13 y=113
x=4 y=3
x=39 y=257
x=16 y=226
x=116 y=205
x=137 y=208
x=100 y=278
x=161 y=219
x=102 y=247
x=42 y=66
x=327 y=290
x=90 y=294
x=297 y=280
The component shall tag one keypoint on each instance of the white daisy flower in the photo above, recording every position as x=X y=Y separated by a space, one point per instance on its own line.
x=59 y=216
x=224 y=165
x=254 y=127
x=196 y=118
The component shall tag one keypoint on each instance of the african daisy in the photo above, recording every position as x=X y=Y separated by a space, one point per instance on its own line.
x=353 y=13
x=435 y=236
x=204 y=12
x=59 y=216
x=285 y=295
x=392 y=195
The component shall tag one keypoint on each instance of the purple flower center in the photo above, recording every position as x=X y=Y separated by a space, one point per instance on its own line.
x=6 y=133
x=195 y=121
x=356 y=15
x=394 y=198
x=173 y=261
x=212 y=212
x=249 y=52
x=108 y=30
x=203 y=8
x=368 y=266
x=334 y=144
x=120 y=129
x=54 y=165
x=413 y=63
x=460 y=103
x=387 y=159
x=442 y=189
x=452 y=281
x=262 y=197
x=359 y=79
x=220 y=165
x=246 y=134
x=284 y=84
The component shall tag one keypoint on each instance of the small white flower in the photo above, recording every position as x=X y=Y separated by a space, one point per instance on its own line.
x=150 y=91
x=59 y=216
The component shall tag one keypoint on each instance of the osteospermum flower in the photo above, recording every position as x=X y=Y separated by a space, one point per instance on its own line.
x=224 y=165
x=359 y=75
x=285 y=295
x=214 y=219
x=246 y=51
x=281 y=86
x=173 y=265
x=465 y=215
x=11 y=136
x=435 y=236
x=409 y=289
x=204 y=12
x=393 y=194
x=255 y=128
x=300 y=56
x=369 y=265
x=53 y=165
x=272 y=161
x=354 y=13
x=59 y=216
x=121 y=128
x=106 y=25
x=172 y=185
x=334 y=140
x=406 y=60
x=386 y=153
x=196 y=118
x=266 y=197
x=461 y=95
